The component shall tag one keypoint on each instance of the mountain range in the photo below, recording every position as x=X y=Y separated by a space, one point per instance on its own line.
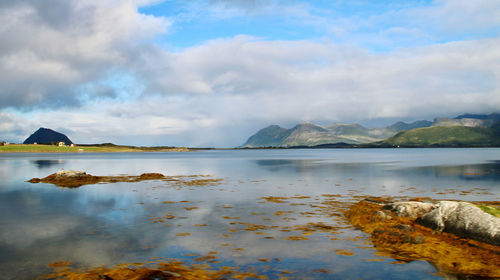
x=467 y=129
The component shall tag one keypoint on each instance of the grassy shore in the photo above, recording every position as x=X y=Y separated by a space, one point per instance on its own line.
x=30 y=148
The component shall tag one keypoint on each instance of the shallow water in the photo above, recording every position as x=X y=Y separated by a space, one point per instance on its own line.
x=107 y=224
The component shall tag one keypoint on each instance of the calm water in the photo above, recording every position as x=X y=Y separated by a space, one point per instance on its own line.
x=108 y=224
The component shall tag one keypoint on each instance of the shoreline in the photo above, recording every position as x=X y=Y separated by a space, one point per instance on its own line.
x=39 y=148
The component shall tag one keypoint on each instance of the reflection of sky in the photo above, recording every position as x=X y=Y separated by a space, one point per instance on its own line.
x=108 y=223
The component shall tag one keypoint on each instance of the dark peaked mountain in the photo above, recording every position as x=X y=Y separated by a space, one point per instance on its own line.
x=47 y=136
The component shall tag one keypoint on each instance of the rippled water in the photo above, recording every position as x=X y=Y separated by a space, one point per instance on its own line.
x=107 y=224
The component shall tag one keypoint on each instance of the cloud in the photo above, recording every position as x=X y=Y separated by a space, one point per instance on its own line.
x=196 y=96
x=49 y=49
x=307 y=78
x=460 y=15
x=93 y=70
x=12 y=127
x=249 y=5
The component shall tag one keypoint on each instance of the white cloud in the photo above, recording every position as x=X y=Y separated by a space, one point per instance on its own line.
x=49 y=49
x=306 y=75
x=460 y=15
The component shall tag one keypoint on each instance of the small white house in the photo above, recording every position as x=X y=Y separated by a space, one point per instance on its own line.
x=61 y=144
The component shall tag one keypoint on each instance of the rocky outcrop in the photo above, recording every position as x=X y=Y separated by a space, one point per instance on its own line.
x=463 y=219
x=74 y=179
x=395 y=233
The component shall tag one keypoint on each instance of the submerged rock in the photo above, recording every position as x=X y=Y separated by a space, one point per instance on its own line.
x=463 y=219
x=381 y=215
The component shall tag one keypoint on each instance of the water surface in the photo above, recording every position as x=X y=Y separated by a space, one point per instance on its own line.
x=107 y=224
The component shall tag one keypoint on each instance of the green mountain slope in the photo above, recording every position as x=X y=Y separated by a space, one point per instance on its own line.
x=449 y=136
x=401 y=126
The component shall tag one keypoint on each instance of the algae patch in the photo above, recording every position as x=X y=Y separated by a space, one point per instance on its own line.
x=172 y=269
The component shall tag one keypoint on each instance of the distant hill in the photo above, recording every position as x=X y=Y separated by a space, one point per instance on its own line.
x=309 y=134
x=446 y=136
x=493 y=116
x=464 y=130
x=47 y=136
x=401 y=126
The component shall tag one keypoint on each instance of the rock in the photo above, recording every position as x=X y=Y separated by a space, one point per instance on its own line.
x=419 y=239
x=70 y=173
x=70 y=179
x=35 y=180
x=381 y=216
x=151 y=176
x=463 y=219
x=404 y=227
x=410 y=209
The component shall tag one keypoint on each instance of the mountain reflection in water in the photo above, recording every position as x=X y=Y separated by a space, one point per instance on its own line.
x=46 y=163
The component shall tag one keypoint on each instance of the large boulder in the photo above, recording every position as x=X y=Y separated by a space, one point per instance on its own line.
x=463 y=219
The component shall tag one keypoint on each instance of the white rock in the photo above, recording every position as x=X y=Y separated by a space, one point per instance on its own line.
x=465 y=220
x=410 y=209
x=69 y=173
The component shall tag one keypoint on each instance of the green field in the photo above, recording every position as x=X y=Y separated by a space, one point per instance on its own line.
x=30 y=148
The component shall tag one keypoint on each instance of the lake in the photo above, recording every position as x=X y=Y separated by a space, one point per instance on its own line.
x=109 y=224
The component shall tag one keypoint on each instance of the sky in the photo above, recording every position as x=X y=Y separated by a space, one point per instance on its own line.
x=210 y=73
